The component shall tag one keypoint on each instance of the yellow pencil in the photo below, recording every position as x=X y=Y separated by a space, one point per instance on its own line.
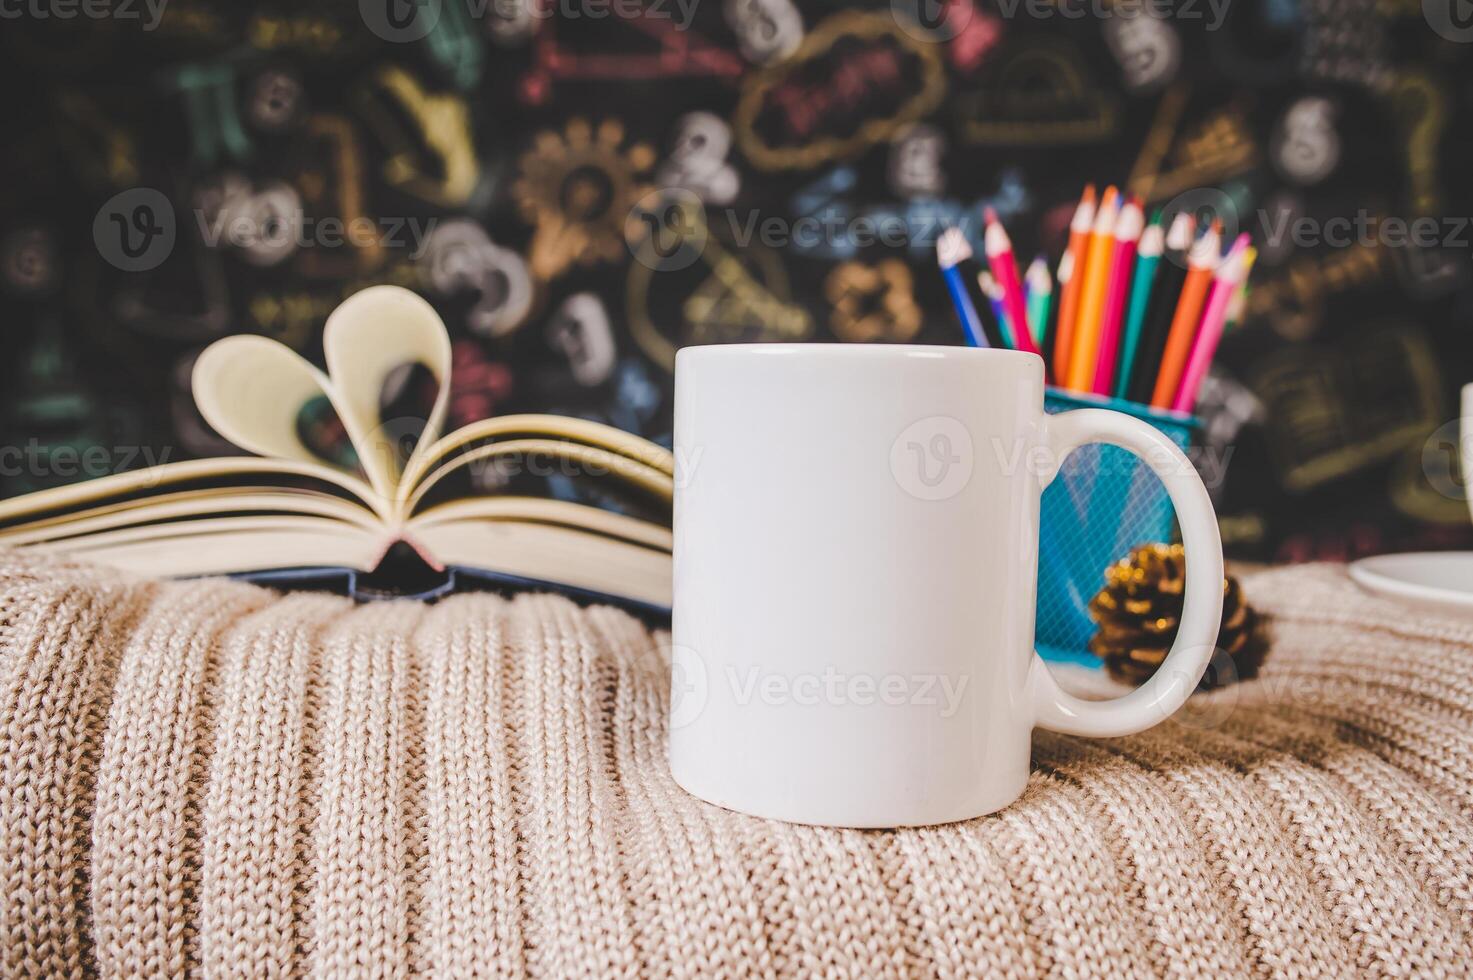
x=1094 y=279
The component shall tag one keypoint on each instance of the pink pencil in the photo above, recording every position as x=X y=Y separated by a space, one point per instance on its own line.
x=1229 y=277
x=1128 y=230
x=1005 y=270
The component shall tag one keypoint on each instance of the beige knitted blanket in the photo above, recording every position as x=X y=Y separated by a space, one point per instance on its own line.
x=204 y=776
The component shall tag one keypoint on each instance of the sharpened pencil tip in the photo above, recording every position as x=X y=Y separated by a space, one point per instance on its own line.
x=952 y=248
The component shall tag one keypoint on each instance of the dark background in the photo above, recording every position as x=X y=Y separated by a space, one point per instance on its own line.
x=1336 y=396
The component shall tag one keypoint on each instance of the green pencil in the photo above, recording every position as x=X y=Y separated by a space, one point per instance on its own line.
x=1147 y=258
x=1040 y=289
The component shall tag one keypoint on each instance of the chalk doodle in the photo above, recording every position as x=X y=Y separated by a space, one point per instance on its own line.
x=1338 y=410
x=1037 y=95
x=831 y=224
x=1219 y=145
x=872 y=302
x=215 y=128
x=916 y=164
x=1421 y=111
x=1147 y=48
x=766 y=30
x=697 y=161
x=581 y=188
x=577 y=188
x=874 y=80
x=1306 y=145
x=461 y=259
x=682 y=53
x=427 y=137
x=330 y=182
x=104 y=152
x=580 y=331
x=726 y=296
x=1294 y=301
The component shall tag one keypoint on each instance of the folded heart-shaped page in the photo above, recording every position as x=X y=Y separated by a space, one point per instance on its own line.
x=371 y=336
x=252 y=391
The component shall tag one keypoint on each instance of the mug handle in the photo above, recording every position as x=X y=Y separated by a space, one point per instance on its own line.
x=1196 y=638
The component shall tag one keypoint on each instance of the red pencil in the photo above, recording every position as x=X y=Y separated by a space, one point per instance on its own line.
x=1128 y=230
x=1005 y=271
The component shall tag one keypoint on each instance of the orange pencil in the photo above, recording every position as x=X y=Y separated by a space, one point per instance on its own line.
x=1092 y=293
x=1203 y=258
x=1063 y=342
x=1230 y=274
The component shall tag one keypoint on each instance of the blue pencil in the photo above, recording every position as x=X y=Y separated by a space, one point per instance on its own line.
x=951 y=250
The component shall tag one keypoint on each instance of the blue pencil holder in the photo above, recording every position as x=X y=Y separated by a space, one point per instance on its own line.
x=1104 y=502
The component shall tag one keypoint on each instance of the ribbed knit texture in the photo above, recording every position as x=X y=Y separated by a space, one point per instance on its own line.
x=206 y=777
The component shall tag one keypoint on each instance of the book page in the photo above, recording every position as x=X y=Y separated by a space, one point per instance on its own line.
x=579 y=516
x=228 y=545
x=140 y=484
x=545 y=426
x=559 y=556
x=371 y=334
x=190 y=504
x=251 y=390
x=591 y=460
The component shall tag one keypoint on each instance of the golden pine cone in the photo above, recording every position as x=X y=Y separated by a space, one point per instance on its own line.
x=1139 y=610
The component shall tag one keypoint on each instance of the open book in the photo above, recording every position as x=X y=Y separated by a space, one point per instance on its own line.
x=390 y=492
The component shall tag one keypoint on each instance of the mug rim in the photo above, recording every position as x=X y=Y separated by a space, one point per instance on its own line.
x=924 y=351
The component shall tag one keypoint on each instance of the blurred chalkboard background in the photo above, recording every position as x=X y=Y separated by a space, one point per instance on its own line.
x=179 y=170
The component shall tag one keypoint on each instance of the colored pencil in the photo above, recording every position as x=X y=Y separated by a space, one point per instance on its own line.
x=1230 y=276
x=1068 y=304
x=1205 y=256
x=1004 y=265
x=1096 y=275
x=1171 y=272
x=999 y=331
x=1238 y=305
x=1051 y=334
x=951 y=249
x=1148 y=256
x=1127 y=236
x=1039 y=286
x=992 y=292
x=992 y=328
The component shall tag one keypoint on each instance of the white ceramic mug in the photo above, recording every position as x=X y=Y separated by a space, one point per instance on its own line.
x=856 y=557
